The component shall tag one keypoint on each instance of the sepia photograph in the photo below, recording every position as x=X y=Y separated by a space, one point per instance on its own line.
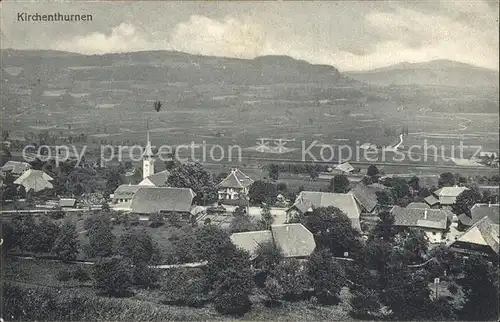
x=249 y=160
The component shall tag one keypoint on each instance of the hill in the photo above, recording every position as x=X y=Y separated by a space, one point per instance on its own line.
x=160 y=66
x=436 y=72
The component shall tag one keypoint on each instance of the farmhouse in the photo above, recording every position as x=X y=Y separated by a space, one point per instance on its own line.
x=16 y=167
x=123 y=194
x=307 y=201
x=148 y=200
x=34 y=180
x=294 y=240
x=478 y=212
x=447 y=196
x=366 y=196
x=234 y=188
x=67 y=202
x=433 y=222
x=480 y=239
x=344 y=168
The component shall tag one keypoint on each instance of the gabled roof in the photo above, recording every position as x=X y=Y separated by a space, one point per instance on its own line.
x=236 y=179
x=483 y=232
x=162 y=199
x=479 y=211
x=365 y=196
x=295 y=240
x=132 y=177
x=314 y=199
x=345 y=167
x=125 y=191
x=450 y=191
x=35 y=180
x=16 y=167
x=67 y=202
x=158 y=179
x=251 y=241
x=431 y=200
x=420 y=217
x=421 y=205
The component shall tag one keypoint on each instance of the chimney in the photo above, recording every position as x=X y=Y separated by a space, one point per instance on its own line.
x=425 y=214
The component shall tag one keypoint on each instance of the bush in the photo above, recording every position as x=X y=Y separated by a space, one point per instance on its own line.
x=274 y=291
x=57 y=215
x=156 y=220
x=145 y=276
x=185 y=287
x=81 y=274
x=113 y=276
x=63 y=275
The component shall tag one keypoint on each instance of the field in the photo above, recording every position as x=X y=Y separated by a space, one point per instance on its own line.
x=146 y=304
x=111 y=101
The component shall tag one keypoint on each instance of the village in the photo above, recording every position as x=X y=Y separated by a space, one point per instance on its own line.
x=359 y=209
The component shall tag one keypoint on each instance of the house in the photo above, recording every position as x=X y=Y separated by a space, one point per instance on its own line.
x=421 y=205
x=433 y=222
x=307 y=201
x=478 y=212
x=124 y=193
x=447 y=196
x=344 y=168
x=294 y=240
x=234 y=188
x=156 y=180
x=432 y=201
x=15 y=167
x=480 y=239
x=366 y=196
x=67 y=202
x=34 y=180
x=148 y=200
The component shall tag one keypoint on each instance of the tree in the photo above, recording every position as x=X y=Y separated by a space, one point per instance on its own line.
x=384 y=229
x=231 y=279
x=47 y=232
x=384 y=199
x=262 y=192
x=138 y=246
x=372 y=171
x=156 y=220
x=400 y=188
x=185 y=287
x=25 y=232
x=242 y=222
x=332 y=229
x=414 y=183
x=293 y=278
x=66 y=244
x=480 y=285
x=446 y=179
x=274 y=172
x=113 y=276
x=269 y=255
x=327 y=276
x=101 y=239
x=339 y=184
x=465 y=201
x=267 y=218
x=209 y=240
x=197 y=178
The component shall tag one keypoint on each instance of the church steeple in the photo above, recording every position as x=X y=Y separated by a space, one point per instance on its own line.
x=148 y=161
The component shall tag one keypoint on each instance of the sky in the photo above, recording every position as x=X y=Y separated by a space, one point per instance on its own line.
x=350 y=35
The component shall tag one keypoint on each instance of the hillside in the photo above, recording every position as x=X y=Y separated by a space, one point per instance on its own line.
x=160 y=66
x=436 y=72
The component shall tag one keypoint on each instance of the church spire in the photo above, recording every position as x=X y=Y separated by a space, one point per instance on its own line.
x=148 y=151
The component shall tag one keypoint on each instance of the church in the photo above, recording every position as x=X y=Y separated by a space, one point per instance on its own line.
x=151 y=194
